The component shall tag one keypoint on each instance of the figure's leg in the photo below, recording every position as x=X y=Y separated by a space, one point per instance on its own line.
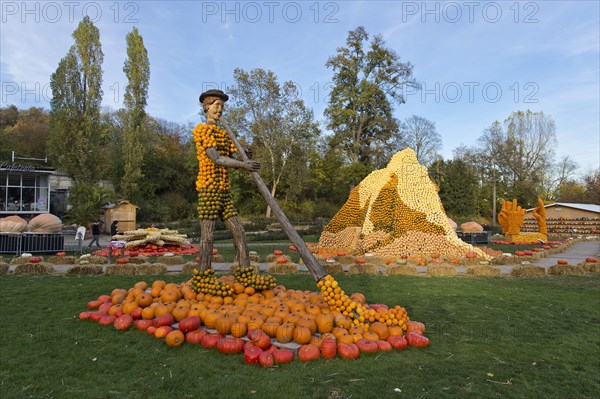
x=239 y=240
x=207 y=236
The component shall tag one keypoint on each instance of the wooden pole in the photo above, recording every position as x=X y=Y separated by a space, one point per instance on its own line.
x=314 y=267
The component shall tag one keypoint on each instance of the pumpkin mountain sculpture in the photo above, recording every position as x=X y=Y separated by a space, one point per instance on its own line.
x=395 y=211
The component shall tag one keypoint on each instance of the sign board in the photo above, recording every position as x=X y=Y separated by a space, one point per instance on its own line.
x=117 y=244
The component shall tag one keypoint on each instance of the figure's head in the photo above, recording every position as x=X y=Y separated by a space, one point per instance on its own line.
x=212 y=103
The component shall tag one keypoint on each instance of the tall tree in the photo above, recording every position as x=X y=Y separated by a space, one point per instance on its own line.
x=421 y=135
x=368 y=80
x=29 y=135
x=457 y=186
x=275 y=120
x=137 y=70
x=521 y=154
x=75 y=129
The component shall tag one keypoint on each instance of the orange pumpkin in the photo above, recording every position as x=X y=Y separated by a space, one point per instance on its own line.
x=175 y=338
x=239 y=329
x=285 y=333
x=302 y=335
x=380 y=329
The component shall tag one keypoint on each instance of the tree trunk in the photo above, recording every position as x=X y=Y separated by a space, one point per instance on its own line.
x=273 y=191
x=207 y=237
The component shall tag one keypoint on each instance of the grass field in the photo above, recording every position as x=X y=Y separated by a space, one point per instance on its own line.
x=490 y=337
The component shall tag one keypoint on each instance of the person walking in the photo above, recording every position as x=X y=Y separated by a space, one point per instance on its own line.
x=95 y=234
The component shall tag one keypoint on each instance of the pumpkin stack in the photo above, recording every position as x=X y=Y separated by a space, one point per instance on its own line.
x=395 y=211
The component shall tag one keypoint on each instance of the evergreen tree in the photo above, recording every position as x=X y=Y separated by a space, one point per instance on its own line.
x=137 y=70
x=75 y=130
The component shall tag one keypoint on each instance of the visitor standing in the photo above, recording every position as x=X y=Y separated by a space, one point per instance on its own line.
x=113 y=228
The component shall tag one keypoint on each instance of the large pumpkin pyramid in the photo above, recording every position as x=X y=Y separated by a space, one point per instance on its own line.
x=395 y=211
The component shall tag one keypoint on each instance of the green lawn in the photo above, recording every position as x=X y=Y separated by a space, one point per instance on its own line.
x=490 y=337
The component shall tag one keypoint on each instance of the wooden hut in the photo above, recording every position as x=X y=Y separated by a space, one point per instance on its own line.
x=125 y=212
x=567 y=218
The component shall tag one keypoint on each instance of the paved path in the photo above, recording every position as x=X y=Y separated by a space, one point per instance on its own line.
x=575 y=254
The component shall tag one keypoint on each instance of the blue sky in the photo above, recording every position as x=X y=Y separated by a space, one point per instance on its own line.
x=477 y=60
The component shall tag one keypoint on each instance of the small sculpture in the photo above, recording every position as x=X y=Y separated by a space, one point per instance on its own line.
x=511 y=219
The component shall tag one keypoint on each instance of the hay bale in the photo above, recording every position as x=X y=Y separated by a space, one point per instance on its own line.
x=591 y=267
x=19 y=260
x=189 y=267
x=100 y=260
x=218 y=258
x=150 y=269
x=253 y=258
x=483 y=271
x=121 y=270
x=34 y=268
x=333 y=267
x=282 y=268
x=365 y=268
x=503 y=260
x=528 y=271
x=346 y=259
x=61 y=260
x=138 y=260
x=3 y=268
x=86 y=270
x=441 y=271
x=564 y=270
x=401 y=270
x=376 y=260
x=174 y=260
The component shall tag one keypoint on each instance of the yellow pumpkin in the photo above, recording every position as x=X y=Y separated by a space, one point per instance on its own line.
x=45 y=223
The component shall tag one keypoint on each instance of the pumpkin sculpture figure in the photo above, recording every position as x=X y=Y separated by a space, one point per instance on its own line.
x=511 y=219
x=215 y=150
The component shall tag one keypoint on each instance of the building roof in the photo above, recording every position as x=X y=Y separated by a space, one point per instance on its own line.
x=583 y=207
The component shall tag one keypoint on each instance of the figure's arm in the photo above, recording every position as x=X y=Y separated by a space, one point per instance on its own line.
x=227 y=162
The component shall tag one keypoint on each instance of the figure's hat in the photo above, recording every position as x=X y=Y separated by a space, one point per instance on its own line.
x=214 y=93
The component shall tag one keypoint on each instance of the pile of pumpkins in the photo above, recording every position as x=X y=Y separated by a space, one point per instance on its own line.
x=44 y=223
x=267 y=327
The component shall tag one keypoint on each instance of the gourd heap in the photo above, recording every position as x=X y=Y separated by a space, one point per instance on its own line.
x=212 y=184
x=395 y=211
x=152 y=235
x=262 y=323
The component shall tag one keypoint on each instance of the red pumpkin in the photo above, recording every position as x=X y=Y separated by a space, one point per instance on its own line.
x=107 y=320
x=35 y=259
x=136 y=313
x=348 y=351
x=384 y=346
x=367 y=346
x=122 y=261
x=252 y=354
x=195 y=337
x=266 y=359
x=292 y=248
x=341 y=253
x=360 y=260
x=562 y=262
x=93 y=304
x=210 y=340
x=215 y=251
x=189 y=324
x=591 y=260
x=415 y=325
x=230 y=346
x=61 y=253
x=397 y=342
x=281 y=260
x=308 y=352
x=328 y=348
x=260 y=339
x=95 y=316
x=84 y=315
x=151 y=330
x=164 y=320
x=278 y=252
x=417 y=340
x=283 y=355
x=142 y=324
x=124 y=322
x=471 y=255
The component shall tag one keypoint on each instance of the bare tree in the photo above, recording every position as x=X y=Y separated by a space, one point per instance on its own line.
x=421 y=135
